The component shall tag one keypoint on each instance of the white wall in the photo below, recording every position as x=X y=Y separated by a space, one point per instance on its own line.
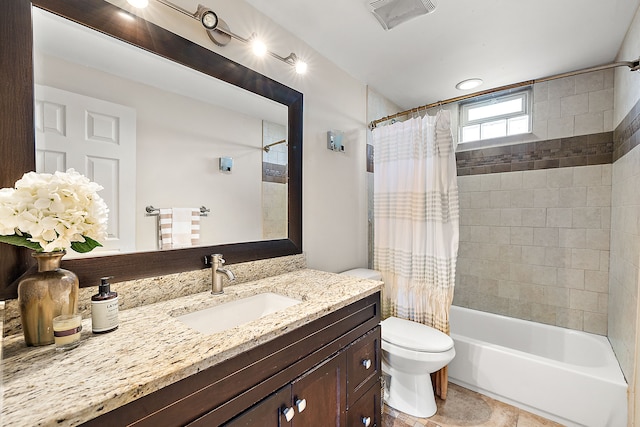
x=334 y=185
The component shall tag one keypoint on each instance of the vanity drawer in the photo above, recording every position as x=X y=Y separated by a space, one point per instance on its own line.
x=366 y=411
x=363 y=364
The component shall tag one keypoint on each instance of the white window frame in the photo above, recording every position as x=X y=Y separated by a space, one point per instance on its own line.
x=527 y=109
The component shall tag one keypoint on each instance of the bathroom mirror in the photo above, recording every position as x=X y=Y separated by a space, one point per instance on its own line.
x=102 y=16
x=153 y=132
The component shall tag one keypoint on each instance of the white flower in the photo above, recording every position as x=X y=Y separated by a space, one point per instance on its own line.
x=53 y=211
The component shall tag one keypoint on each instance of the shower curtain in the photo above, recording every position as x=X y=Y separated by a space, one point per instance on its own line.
x=416 y=221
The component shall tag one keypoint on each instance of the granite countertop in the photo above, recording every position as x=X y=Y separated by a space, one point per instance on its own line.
x=152 y=349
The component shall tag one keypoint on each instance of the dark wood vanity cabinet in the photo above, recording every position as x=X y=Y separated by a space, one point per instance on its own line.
x=315 y=399
x=325 y=373
x=342 y=390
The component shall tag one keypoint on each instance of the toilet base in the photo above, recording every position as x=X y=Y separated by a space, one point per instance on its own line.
x=409 y=392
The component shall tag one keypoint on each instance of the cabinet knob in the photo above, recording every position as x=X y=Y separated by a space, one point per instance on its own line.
x=288 y=413
x=366 y=363
x=366 y=421
x=301 y=404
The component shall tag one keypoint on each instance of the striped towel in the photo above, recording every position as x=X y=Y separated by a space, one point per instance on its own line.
x=178 y=228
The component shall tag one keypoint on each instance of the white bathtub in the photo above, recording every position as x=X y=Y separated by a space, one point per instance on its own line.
x=568 y=376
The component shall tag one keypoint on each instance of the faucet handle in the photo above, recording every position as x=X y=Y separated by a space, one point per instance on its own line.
x=209 y=260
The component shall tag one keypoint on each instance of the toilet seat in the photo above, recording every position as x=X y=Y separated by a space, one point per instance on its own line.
x=414 y=336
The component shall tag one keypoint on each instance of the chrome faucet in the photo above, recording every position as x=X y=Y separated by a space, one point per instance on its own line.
x=216 y=274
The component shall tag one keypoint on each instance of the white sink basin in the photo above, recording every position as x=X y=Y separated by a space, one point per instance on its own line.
x=234 y=313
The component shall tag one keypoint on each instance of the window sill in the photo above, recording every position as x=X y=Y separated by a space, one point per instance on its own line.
x=496 y=142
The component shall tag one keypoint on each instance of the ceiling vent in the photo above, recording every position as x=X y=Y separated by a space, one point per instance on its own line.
x=391 y=13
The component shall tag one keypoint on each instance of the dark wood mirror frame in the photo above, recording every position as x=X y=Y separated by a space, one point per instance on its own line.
x=17 y=136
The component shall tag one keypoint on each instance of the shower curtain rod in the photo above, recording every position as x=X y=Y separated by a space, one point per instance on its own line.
x=633 y=65
x=268 y=147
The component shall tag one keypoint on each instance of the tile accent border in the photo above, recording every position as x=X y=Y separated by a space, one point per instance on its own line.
x=626 y=136
x=583 y=150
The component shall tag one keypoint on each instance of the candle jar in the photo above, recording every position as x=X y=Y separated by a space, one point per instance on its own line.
x=66 y=331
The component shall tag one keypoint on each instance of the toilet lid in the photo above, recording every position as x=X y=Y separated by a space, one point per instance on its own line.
x=414 y=335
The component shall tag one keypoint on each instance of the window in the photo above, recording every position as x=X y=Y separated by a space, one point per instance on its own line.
x=502 y=115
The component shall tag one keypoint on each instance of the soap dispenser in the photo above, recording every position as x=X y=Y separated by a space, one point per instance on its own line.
x=104 y=308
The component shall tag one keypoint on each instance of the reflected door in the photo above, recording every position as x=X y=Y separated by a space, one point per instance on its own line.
x=97 y=139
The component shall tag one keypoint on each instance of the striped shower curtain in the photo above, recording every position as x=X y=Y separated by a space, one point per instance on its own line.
x=416 y=221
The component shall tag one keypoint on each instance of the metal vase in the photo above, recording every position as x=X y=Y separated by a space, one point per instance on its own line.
x=45 y=294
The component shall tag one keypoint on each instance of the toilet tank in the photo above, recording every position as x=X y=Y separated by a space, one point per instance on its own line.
x=363 y=273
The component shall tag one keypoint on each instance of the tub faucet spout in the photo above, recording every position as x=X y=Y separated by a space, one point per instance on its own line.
x=217 y=272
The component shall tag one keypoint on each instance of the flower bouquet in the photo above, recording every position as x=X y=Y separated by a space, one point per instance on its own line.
x=53 y=212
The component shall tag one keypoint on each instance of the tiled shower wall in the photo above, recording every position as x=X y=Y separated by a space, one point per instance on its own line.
x=535 y=245
x=625 y=258
x=535 y=215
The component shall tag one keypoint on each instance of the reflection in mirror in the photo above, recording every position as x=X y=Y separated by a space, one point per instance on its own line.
x=18 y=136
x=152 y=132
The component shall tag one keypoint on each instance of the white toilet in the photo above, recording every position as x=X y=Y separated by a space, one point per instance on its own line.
x=411 y=351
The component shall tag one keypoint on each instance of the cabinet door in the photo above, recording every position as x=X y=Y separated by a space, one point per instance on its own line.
x=319 y=397
x=265 y=413
x=365 y=412
x=363 y=365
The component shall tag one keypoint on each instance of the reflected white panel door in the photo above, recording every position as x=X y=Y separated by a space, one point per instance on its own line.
x=98 y=139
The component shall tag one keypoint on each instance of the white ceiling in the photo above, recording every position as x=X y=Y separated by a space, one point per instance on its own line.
x=500 y=41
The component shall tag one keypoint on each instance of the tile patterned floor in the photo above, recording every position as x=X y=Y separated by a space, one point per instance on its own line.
x=465 y=408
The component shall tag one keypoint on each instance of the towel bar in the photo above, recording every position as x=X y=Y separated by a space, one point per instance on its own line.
x=151 y=211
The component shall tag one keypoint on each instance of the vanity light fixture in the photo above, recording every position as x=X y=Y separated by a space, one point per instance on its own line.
x=220 y=33
x=469 y=84
x=257 y=46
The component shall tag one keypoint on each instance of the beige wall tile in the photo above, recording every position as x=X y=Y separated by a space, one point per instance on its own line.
x=533 y=255
x=534 y=179
x=586 y=259
x=595 y=323
x=559 y=217
x=545 y=237
x=569 y=318
x=597 y=281
x=597 y=239
x=589 y=82
x=588 y=217
x=574 y=105
x=559 y=297
x=501 y=199
x=588 y=176
x=572 y=197
x=561 y=87
x=558 y=257
x=508 y=289
x=545 y=197
x=584 y=300
x=599 y=196
x=534 y=217
x=510 y=253
x=490 y=182
x=522 y=198
x=511 y=180
x=560 y=178
x=589 y=123
x=511 y=217
x=601 y=100
x=571 y=278
x=558 y=128
x=521 y=236
x=572 y=238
